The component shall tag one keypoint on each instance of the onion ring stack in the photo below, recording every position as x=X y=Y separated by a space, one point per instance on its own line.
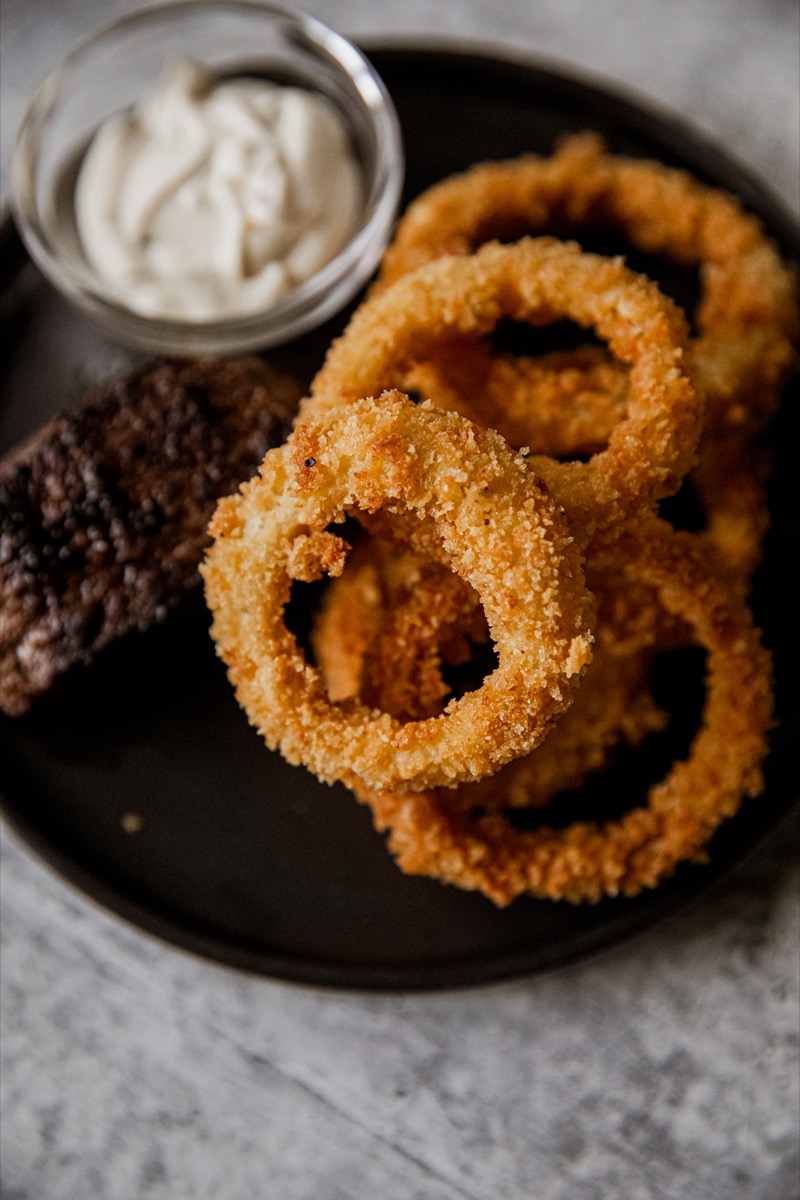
x=515 y=509
x=747 y=317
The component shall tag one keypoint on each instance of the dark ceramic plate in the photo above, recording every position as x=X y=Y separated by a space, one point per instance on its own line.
x=251 y=862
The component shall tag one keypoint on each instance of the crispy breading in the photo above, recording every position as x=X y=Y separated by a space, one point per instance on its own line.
x=486 y=518
x=539 y=281
x=429 y=835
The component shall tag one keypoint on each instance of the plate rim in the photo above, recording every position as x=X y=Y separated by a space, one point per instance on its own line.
x=673 y=125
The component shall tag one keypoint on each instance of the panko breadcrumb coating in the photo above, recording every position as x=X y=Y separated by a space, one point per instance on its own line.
x=491 y=524
x=633 y=420
x=747 y=319
x=587 y=860
x=539 y=281
x=389 y=622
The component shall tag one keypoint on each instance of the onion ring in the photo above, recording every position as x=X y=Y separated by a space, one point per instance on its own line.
x=586 y=861
x=386 y=625
x=747 y=317
x=493 y=525
x=537 y=280
x=564 y=403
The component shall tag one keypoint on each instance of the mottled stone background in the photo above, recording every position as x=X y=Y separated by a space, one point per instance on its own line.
x=667 y=1069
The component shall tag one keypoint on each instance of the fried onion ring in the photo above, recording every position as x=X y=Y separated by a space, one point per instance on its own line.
x=387 y=624
x=564 y=403
x=494 y=526
x=586 y=861
x=538 y=280
x=747 y=318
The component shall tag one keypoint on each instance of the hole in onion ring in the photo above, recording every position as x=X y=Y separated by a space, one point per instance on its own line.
x=680 y=283
x=677 y=685
x=518 y=337
x=387 y=630
x=685 y=510
x=468 y=676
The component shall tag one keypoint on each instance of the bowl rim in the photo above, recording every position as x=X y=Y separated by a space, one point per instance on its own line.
x=305 y=306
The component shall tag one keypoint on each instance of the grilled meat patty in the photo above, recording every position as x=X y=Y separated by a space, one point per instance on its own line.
x=103 y=512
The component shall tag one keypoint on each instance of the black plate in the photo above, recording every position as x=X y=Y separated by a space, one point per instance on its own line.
x=249 y=861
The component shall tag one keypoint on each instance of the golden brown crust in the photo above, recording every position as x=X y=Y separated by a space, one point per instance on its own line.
x=747 y=317
x=587 y=861
x=396 y=616
x=388 y=623
x=563 y=403
x=488 y=520
x=539 y=280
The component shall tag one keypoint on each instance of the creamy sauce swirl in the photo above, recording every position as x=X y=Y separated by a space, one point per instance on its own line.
x=212 y=200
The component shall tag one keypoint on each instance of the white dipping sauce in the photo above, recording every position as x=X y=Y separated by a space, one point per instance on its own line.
x=208 y=201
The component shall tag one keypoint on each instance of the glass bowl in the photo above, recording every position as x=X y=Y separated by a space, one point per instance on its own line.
x=109 y=70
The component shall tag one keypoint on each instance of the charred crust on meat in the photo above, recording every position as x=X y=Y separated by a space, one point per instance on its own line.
x=104 y=512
